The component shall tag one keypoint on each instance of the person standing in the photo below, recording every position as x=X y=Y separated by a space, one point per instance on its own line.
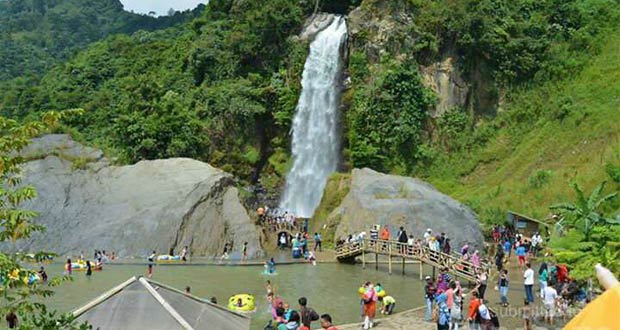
x=503 y=287
x=528 y=277
x=317 y=242
x=472 y=314
x=374 y=235
x=326 y=322
x=427 y=235
x=89 y=268
x=429 y=296
x=184 y=254
x=443 y=319
x=385 y=236
x=550 y=296
x=499 y=258
x=508 y=248
x=521 y=253
x=244 y=251
x=307 y=314
x=369 y=307
x=12 y=322
x=455 y=310
x=543 y=276
x=402 y=239
x=446 y=248
x=68 y=268
x=151 y=262
x=482 y=280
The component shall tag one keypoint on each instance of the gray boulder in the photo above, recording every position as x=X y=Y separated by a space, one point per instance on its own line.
x=151 y=205
x=376 y=198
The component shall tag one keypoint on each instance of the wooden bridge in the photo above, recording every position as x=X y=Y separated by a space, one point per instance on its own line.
x=347 y=252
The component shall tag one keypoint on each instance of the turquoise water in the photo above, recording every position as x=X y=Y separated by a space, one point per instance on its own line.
x=330 y=287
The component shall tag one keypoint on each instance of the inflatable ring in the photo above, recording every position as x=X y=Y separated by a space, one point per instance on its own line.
x=164 y=258
x=381 y=294
x=247 y=303
x=361 y=291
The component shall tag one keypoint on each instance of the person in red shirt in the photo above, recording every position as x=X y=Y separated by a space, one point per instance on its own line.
x=385 y=233
x=385 y=236
x=326 y=322
x=472 y=314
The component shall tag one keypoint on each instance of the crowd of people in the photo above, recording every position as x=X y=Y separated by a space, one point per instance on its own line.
x=286 y=318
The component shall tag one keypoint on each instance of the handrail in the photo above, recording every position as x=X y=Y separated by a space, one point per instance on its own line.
x=422 y=253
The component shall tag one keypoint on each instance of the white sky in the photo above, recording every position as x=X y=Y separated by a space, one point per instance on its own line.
x=161 y=7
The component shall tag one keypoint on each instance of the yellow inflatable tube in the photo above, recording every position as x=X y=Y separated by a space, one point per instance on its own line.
x=241 y=303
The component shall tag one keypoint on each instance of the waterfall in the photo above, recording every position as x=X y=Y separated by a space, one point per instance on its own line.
x=316 y=142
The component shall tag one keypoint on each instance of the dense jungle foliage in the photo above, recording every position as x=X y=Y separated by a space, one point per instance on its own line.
x=37 y=34
x=223 y=87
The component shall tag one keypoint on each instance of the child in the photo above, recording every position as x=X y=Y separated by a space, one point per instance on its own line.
x=326 y=322
x=68 y=269
x=388 y=305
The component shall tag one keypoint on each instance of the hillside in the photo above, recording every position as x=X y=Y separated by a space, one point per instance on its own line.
x=35 y=35
x=552 y=134
x=223 y=87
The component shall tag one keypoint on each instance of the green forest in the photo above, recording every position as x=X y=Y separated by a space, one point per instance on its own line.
x=220 y=84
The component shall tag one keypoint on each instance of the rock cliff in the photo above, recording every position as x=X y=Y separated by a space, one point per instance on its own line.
x=87 y=204
x=376 y=198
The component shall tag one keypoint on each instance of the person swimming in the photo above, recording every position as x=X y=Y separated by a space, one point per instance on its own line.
x=272 y=266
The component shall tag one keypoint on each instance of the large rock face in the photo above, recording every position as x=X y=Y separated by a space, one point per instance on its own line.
x=376 y=198
x=87 y=204
x=445 y=80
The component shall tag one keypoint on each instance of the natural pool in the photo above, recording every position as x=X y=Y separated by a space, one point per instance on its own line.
x=330 y=287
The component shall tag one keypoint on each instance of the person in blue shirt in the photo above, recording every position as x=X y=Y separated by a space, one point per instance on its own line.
x=508 y=248
x=317 y=242
x=521 y=255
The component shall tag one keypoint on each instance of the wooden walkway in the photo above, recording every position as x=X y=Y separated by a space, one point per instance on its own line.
x=347 y=252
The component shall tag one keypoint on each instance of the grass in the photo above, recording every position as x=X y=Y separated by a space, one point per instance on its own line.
x=528 y=164
x=336 y=190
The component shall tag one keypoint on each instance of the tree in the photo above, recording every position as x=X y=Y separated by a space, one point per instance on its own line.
x=585 y=213
x=18 y=286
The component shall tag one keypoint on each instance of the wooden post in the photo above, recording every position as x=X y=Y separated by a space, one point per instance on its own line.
x=376 y=260
x=363 y=254
x=390 y=258
x=403 y=265
x=421 y=270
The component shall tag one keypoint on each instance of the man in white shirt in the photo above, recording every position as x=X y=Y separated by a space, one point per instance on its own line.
x=550 y=295
x=427 y=235
x=528 y=282
x=536 y=242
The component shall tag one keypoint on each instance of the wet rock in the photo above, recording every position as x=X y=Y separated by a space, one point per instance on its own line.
x=316 y=24
x=376 y=198
x=151 y=205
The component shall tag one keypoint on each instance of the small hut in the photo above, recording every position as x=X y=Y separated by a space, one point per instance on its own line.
x=524 y=224
x=141 y=303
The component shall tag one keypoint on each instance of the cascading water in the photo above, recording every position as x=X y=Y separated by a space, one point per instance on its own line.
x=316 y=142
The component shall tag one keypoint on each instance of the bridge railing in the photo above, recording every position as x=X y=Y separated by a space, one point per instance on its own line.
x=453 y=263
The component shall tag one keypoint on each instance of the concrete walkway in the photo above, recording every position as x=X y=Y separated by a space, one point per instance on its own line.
x=406 y=320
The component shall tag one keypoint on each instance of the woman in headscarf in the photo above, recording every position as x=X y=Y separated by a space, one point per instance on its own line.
x=443 y=319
